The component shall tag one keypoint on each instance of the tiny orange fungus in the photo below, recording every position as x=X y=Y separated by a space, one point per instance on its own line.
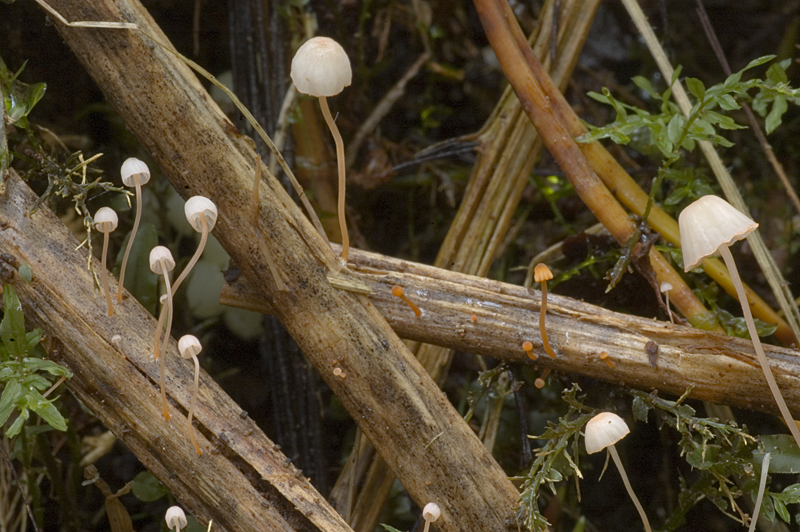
x=397 y=291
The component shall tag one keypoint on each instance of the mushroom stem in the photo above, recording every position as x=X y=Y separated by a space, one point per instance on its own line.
x=337 y=138
x=198 y=252
x=166 y=335
x=397 y=291
x=613 y=451
x=762 y=358
x=104 y=275
x=542 y=330
x=761 y=486
x=130 y=239
x=190 y=427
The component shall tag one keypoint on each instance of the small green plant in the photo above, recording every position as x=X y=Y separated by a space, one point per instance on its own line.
x=718 y=453
x=25 y=374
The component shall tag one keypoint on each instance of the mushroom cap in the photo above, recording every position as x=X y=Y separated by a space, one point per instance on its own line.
x=161 y=260
x=603 y=430
x=198 y=206
x=665 y=286
x=321 y=67
x=132 y=169
x=707 y=224
x=431 y=512
x=105 y=219
x=542 y=273
x=189 y=346
x=175 y=518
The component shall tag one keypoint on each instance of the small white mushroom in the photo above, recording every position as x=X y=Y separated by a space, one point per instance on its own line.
x=105 y=221
x=709 y=225
x=602 y=432
x=135 y=173
x=161 y=263
x=665 y=288
x=201 y=213
x=430 y=514
x=176 y=518
x=189 y=347
x=321 y=68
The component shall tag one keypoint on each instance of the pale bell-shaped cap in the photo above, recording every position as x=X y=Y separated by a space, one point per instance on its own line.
x=603 y=430
x=161 y=260
x=542 y=273
x=189 y=346
x=431 y=512
x=665 y=287
x=105 y=219
x=198 y=206
x=707 y=224
x=133 y=169
x=321 y=67
x=175 y=518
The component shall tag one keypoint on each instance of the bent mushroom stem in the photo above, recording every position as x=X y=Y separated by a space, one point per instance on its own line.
x=166 y=336
x=337 y=138
x=130 y=239
x=762 y=358
x=613 y=451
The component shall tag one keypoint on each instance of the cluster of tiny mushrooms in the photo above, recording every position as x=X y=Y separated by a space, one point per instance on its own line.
x=321 y=68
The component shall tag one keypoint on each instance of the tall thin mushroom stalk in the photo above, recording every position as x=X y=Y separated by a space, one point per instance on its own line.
x=710 y=225
x=201 y=213
x=105 y=220
x=321 y=68
x=135 y=173
x=161 y=263
x=189 y=347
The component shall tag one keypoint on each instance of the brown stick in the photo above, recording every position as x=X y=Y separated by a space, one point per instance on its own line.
x=721 y=369
x=627 y=190
x=117 y=381
x=560 y=143
x=394 y=401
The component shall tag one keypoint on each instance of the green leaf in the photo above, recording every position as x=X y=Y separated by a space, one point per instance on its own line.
x=675 y=128
x=758 y=62
x=26 y=273
x=12 y=328
x=39 y=404
x=726 y=102
x=11 y=394
x=640 y=409
x=696 y=87
x=785 y=454
x=644 y=84
x=38 y=364
x=774 y=118
x=781 y=510
x=16 y=427
x=147 y=488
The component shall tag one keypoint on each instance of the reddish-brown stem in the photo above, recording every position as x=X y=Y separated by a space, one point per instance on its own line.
x=542 y=330
x=337 y=138
x=629 y=192
x=397 y=291
x=500 y=27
